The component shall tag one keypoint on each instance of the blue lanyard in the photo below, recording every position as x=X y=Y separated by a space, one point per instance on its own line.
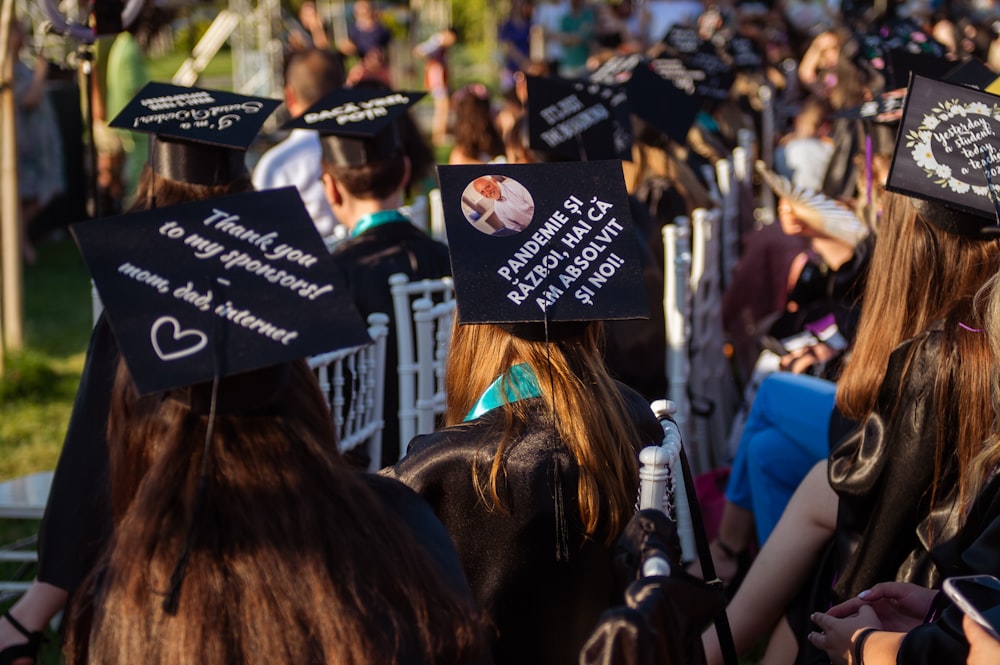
x=377 y=219
x=517 y=383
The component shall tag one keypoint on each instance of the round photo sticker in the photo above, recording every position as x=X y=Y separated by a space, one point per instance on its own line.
x=498 y=205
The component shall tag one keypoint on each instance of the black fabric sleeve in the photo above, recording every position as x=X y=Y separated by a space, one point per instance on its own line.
x=77 y=520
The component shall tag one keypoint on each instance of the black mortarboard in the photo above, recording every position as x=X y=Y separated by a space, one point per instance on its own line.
x=357 y=125
x=745 y=53
x=219 y=287
x=903 y=63
x=948 y=154
x=561 y=249
x=976 y=74
x=711 y=74
x=567 y=122
x=199 y=136
x=652 y=91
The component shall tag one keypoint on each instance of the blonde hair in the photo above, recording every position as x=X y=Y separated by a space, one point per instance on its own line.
x=590 y=416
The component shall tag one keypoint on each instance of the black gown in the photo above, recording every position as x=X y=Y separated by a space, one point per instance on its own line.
x=882 y=475
x=543 y=605
x=77 y=520
x=367 y=261
x=975 y=551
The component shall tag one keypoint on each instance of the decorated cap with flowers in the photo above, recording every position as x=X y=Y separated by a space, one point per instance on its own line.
x=948 y=155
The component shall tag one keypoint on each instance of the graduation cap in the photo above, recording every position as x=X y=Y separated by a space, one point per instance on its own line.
x=903 y=63
x=711 y=73
x=744 y=52
x=653 y=89
x=357 y=125
x=216 y=288
x=542 y=246
x=948 y=155
x=570 y=120
x=199 y=136
x=974 y=73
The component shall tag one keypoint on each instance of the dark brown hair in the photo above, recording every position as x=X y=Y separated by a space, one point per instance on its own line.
x=293 y=557
x=377 y=180
x=475 y=133
x=154 y=188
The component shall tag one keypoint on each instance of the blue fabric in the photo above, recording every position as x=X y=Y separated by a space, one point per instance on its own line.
x=786 y=434
x=517 y=383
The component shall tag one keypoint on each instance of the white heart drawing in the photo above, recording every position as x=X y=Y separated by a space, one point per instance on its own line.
x=178 y=335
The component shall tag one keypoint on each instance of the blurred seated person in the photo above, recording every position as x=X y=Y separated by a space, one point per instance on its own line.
x=477 y=140
x=309 y=75
x=364 y=175
x=535 y=471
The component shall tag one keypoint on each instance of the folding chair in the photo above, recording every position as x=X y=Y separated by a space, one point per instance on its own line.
x=405 y=296
x=433 y=328
x=665 y=484
x=22 y=498
x=353 y=383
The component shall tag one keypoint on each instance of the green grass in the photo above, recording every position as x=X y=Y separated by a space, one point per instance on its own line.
x=40 y=381
x=218 y=73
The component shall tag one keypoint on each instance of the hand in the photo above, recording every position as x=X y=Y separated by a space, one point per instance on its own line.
x=899 y=606
x=836 y=636
x=799 y=360
x=983 y=647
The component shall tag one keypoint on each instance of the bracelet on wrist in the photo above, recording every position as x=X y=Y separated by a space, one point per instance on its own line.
x=858 y=651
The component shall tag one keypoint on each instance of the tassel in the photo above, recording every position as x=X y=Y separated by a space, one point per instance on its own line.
x=562 y=531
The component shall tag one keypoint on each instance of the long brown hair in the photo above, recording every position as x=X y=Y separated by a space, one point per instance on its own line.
x=920 y=274
x=591 y=415
x=293 y=559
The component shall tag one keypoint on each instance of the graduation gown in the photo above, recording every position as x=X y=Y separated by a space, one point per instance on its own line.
x=975 y=551
x=366 y=262
x=543 y=605
x=77 y=518
x=883 y=475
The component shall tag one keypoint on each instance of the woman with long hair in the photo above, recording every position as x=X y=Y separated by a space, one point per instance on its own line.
x=77 y=519
x=292 y=557
x=919 y=384
x=477 y=139
x=534 y=476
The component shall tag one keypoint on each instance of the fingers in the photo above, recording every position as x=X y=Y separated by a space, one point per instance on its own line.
x=846 y=608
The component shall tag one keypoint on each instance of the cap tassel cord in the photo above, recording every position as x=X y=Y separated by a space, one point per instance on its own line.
x=562 y=531
x=172 y=599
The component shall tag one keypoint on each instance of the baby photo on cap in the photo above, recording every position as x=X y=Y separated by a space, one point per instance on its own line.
x=948 y=147
x=217 y=287
x=573 y=257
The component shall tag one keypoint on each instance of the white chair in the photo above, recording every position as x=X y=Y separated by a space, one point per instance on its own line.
x=437 y=216
x=22 y=498
x=433 y=327
x=353 y=383
x=661 y=480
x=676 y=312
x=405 y=296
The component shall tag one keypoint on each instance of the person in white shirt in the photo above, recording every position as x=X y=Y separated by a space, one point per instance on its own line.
x=512 y=203
x=309 y=75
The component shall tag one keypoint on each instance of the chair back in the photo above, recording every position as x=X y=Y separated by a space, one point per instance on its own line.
x=661 y=480
x=436 y=216
x=433 y=327
x=423 y=312
x=352 y=381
